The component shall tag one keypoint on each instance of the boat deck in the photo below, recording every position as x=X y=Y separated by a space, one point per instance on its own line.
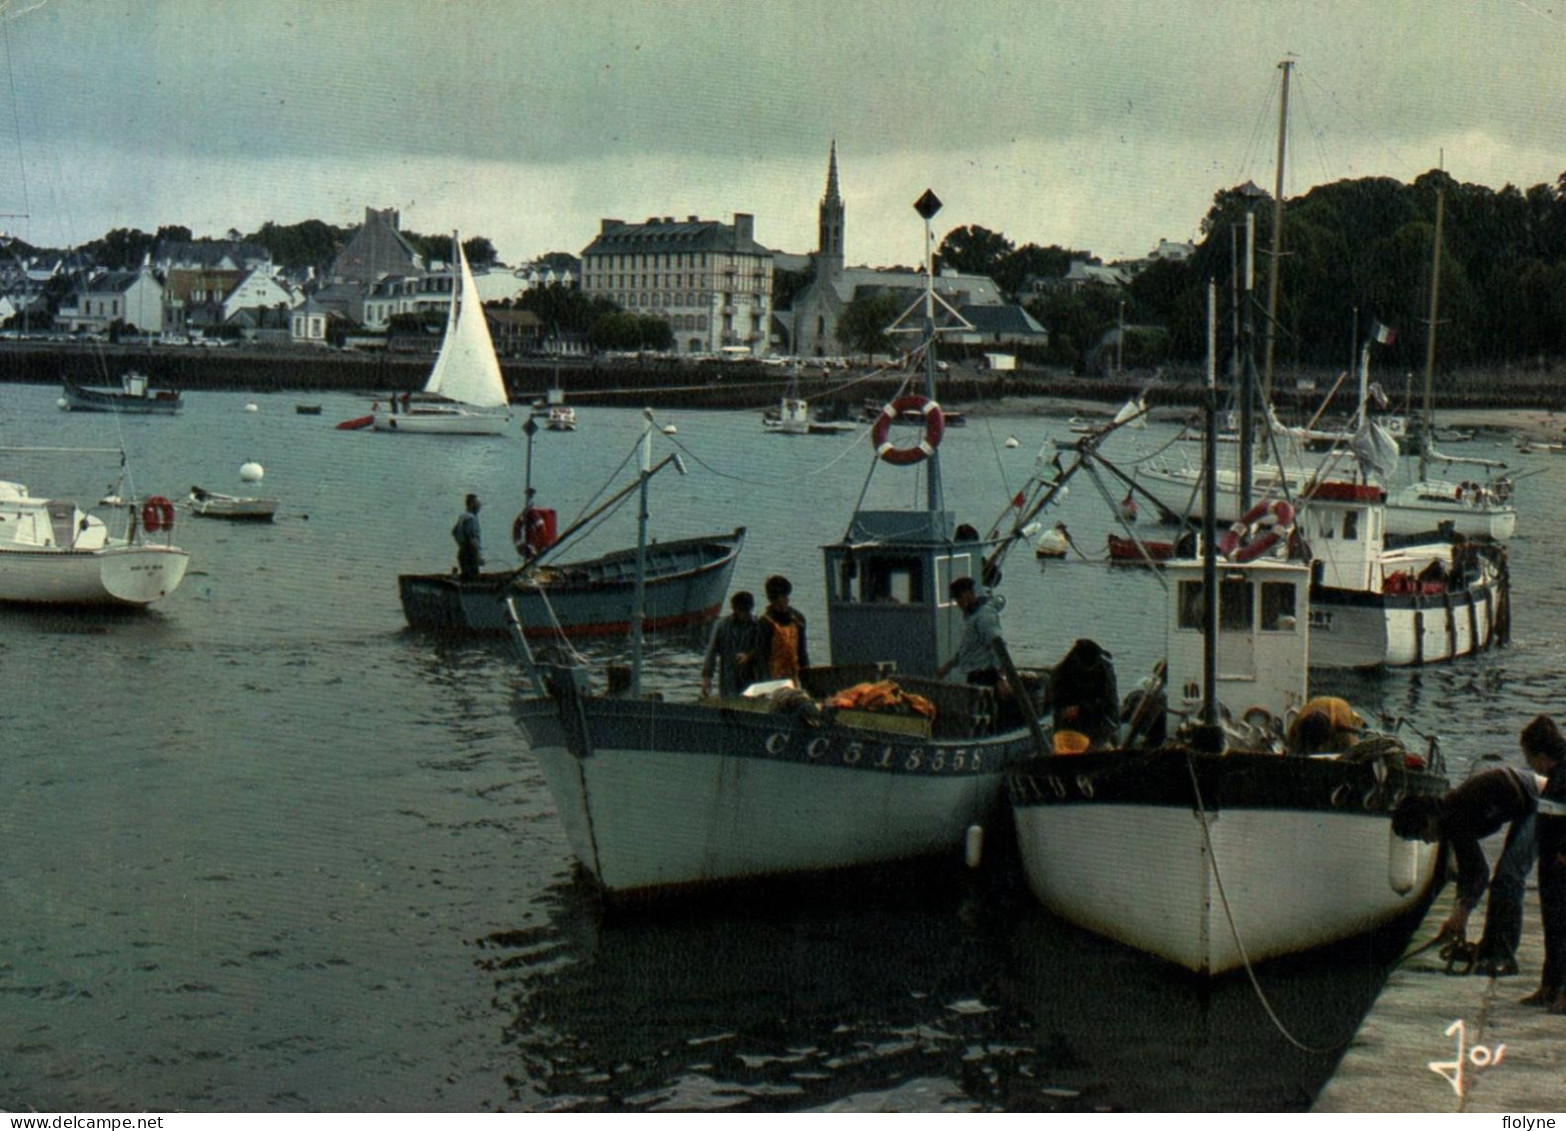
x=1387 y=1066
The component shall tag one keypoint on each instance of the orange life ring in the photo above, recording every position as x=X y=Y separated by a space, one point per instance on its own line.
x=934 y=429
x=1259 y=530
x=157 y=513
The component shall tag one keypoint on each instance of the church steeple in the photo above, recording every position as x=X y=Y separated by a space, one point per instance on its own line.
x=830 y=245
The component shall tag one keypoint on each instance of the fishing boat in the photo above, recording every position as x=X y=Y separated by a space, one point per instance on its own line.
x=1220 y=848
x=793 y=417
x=465 y=386
x=1218 y=851
x=135 y=395
x=684 y=582
x=236 y=508
x=1374 y=603
x=52 y=553
x=670 y=793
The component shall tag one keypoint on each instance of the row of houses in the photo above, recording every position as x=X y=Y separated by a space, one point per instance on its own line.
x=711 y=281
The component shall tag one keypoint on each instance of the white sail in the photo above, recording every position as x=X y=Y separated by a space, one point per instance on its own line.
x=466 y=369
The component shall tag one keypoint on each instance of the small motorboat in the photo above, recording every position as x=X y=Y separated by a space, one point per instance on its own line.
x=308 y=409
x=562 y=418
x=213 y=504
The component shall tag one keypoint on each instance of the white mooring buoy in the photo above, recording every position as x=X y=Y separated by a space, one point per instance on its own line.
x=252 y=407
x=252 y=472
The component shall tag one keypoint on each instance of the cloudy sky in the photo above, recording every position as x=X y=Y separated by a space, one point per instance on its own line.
x=1102 y=125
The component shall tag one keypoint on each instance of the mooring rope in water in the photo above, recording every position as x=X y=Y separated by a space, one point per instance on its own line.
x=1234 y=931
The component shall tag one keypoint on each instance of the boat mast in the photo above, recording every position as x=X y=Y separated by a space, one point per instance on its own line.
x=1430 y=334
x=1211 y=736
x=638 y=601
x=927 y=206
x=1277 y=236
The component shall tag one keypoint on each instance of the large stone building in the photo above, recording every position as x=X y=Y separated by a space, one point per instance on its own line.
x=712 y=282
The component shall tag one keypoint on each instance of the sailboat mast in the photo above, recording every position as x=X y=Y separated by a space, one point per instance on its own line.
x=639 y=600
x=1277 y=235
x=927 y=206
x=1430 y=335
x=1210 y=527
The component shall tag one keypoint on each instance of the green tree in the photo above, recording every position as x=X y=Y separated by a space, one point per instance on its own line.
x=861 y=328
x=973 y=250
x=1015 y=268
x=311 y=243
x=565 y=309
x=618 y=330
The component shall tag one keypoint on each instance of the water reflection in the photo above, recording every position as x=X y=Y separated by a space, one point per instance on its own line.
x=921 y=985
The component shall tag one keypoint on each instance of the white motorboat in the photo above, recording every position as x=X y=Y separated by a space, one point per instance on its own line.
x=465 y=387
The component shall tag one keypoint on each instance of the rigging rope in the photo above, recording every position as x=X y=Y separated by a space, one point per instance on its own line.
x=1234 y=931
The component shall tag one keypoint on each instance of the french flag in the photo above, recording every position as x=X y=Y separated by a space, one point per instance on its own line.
x=1385 y=335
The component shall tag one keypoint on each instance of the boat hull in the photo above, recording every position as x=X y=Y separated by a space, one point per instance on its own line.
x=657 y=796
x=1408 y=513
x=116 y=576
x=1301 y=848
x=81 y=398
x=1358 y=629
x=453 y=423
x=236 y=510
x=685 y=586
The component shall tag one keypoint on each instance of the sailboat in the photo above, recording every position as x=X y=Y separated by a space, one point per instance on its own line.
x=53 y=553
x=1473 y=508
x=660 y=793
x=466 y=379
x=1221 y=849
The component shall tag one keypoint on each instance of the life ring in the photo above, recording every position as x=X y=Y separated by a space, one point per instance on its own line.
x=1259 y=530
x=934 y=429
x=533 y=531
x=157 y=513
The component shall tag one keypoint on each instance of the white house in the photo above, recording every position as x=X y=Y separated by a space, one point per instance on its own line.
x=132 y=297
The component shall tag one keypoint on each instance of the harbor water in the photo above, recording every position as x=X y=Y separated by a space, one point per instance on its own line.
x=267 y=849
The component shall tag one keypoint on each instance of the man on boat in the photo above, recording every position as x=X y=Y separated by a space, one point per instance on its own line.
x=466 y=533
x=732 y=649
x=780 y=643
x=974 y=661
x=1325 y=723
x=1085 y=698
x=1462 y=818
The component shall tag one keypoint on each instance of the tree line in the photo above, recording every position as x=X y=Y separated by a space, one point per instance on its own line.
x=1355 y=252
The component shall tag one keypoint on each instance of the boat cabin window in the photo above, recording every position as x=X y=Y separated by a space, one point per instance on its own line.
x=898 y=580
x=1236 y=605
x=950 y=569
x=1350 y=525
x=1277 y=606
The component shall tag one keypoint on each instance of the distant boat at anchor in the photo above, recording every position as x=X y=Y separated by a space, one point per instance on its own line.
x=134 y=395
